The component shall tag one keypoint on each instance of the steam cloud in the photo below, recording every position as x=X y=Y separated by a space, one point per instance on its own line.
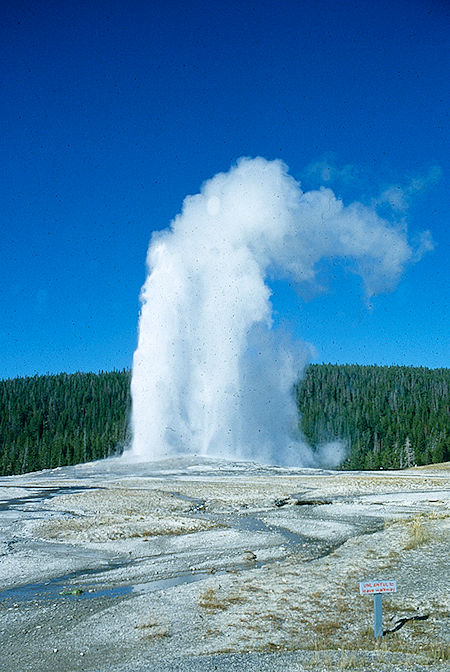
x=211 y=374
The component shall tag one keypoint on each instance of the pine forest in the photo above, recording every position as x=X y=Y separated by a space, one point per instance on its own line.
x=387 y=417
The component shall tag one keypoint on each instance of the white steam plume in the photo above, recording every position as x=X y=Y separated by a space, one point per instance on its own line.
x=211 y=375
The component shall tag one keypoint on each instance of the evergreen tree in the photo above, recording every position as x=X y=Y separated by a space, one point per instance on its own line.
x=50 y=421
x=390 y=417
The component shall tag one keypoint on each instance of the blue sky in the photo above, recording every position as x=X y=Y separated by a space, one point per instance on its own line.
x=113 y=111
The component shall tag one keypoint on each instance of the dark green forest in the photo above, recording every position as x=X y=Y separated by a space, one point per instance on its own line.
x=50 y=421
x=390 y=417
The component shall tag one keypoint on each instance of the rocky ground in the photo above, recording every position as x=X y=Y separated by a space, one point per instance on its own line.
x=195 y=564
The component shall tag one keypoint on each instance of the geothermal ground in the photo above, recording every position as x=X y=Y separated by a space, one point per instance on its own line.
x=200 y=565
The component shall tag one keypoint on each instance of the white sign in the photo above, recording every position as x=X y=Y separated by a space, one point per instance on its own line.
x=375 y=587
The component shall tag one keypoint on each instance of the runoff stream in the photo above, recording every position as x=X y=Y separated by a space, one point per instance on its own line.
x=82 y=584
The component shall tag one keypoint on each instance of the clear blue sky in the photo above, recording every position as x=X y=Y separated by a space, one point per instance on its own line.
x=113 y=111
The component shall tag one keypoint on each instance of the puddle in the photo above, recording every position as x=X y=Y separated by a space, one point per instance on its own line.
x=55 y=588
x=40 y=495
x=179 y=580
x=52 y=590
x=254 y=524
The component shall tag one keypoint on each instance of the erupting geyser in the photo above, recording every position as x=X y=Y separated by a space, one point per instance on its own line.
x=211 y=374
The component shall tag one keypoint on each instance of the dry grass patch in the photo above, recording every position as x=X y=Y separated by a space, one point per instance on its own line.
x=327 y=628
x=419 y=534
x=214 y=600
x=324 y=639
x=347 y=661
x=439 y=652
x=153 y=629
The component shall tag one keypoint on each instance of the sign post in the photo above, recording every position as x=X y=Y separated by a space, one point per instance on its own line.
x=378 y=615
x=377 y=588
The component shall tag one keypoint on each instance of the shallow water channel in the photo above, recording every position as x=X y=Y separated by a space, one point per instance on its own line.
x=84 y=583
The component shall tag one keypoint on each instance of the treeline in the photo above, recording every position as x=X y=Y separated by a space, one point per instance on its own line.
x=390 y=417
x=50 y=421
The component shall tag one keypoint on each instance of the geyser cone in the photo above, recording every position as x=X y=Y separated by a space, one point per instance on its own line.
x=211 y=375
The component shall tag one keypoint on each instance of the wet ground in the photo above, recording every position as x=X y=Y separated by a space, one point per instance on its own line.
x=108 y=563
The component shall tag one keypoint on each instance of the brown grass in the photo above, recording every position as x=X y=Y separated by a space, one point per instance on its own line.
x=211 y=600
x=153 y=629
x=419 y=534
